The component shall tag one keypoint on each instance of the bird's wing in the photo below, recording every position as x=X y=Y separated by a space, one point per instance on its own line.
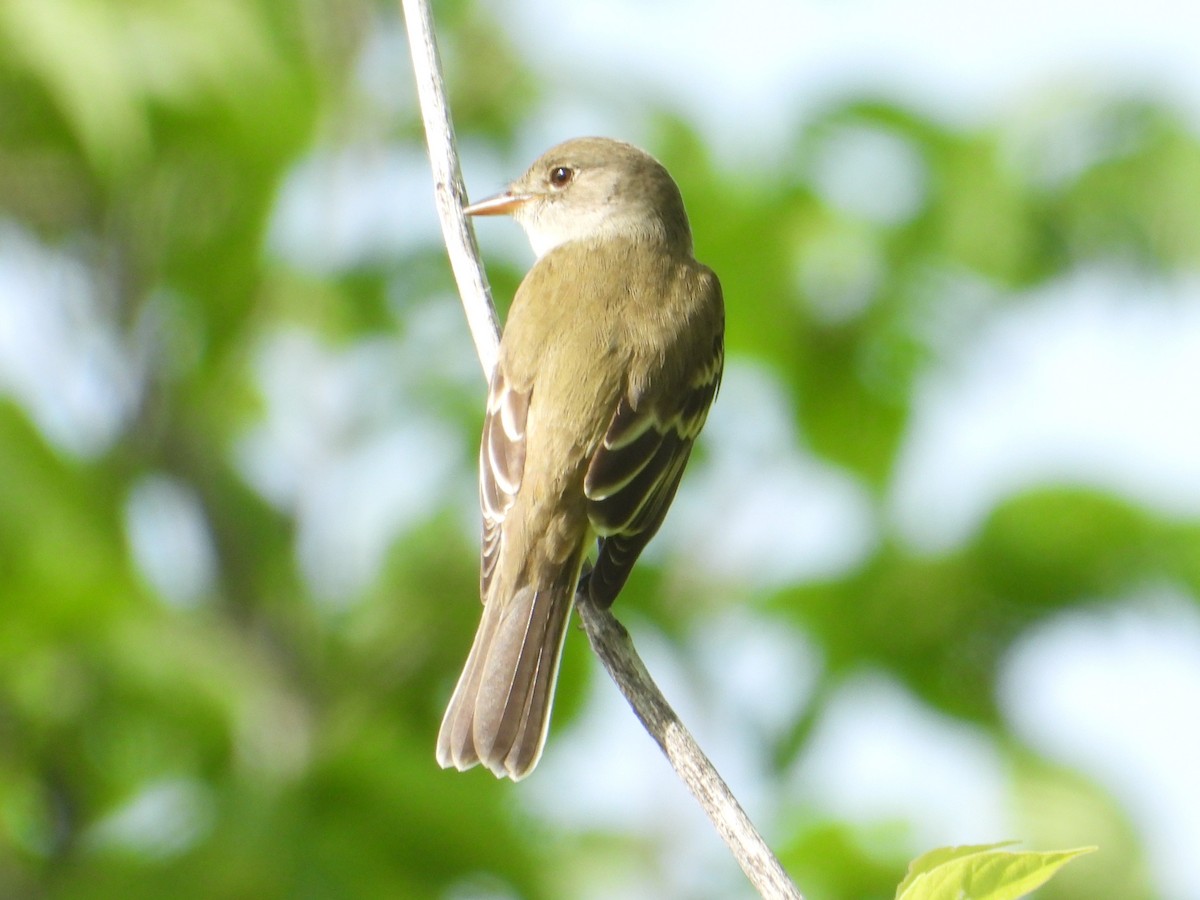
x=636 y=469
x=501 y=465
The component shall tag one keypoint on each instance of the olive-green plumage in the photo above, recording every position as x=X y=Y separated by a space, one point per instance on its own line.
x=610 y=359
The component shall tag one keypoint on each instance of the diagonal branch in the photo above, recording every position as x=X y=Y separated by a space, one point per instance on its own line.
x=608 y=637
x=611 y=642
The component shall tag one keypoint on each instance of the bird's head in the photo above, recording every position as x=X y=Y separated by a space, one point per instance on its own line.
x=592 y=189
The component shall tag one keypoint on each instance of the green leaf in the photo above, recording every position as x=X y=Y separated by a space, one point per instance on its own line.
x=104 y=62
x=981 y=872
x=927 y=862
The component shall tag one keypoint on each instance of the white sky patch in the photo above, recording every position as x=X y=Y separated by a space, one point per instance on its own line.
x=1115 y=693
x=348 y=452
x=607 y=746
x=871 y=173
x=60 y=355
x=768 y=65
x=164 y=819
x=879 y=755
x=1089 y=381
x=362 y=498
x=170 y=540
x=754 y=507
x=748 y=680
x=364 y=204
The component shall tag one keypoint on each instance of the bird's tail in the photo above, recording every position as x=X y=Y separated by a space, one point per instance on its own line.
x=500 y=711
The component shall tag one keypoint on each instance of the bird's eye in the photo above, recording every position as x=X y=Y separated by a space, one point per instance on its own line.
x=560 y=176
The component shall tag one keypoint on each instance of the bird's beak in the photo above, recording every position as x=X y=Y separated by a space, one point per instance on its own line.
x=500 y=205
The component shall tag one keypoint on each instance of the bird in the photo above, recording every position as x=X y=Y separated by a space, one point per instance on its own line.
x=610 y=358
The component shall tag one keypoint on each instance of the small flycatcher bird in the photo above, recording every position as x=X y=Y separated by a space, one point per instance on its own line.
x=609 y=361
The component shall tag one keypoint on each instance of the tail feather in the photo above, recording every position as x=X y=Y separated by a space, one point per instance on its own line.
x=500 y=711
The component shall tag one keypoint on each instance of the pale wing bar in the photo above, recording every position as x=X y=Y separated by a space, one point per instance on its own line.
x=635 y=472
x=501 y=466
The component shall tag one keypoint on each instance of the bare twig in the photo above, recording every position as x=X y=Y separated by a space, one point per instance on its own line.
x=608 y=637
x=612 y=644
x=448 y=185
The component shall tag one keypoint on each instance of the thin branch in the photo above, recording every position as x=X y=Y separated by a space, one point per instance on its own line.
x=448 y=188
x=611 y=642
x=608 y=637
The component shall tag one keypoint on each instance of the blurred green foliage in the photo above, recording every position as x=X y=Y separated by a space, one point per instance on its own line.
x=259 y=740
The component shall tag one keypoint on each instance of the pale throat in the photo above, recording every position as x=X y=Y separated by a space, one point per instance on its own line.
x=545 y=232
